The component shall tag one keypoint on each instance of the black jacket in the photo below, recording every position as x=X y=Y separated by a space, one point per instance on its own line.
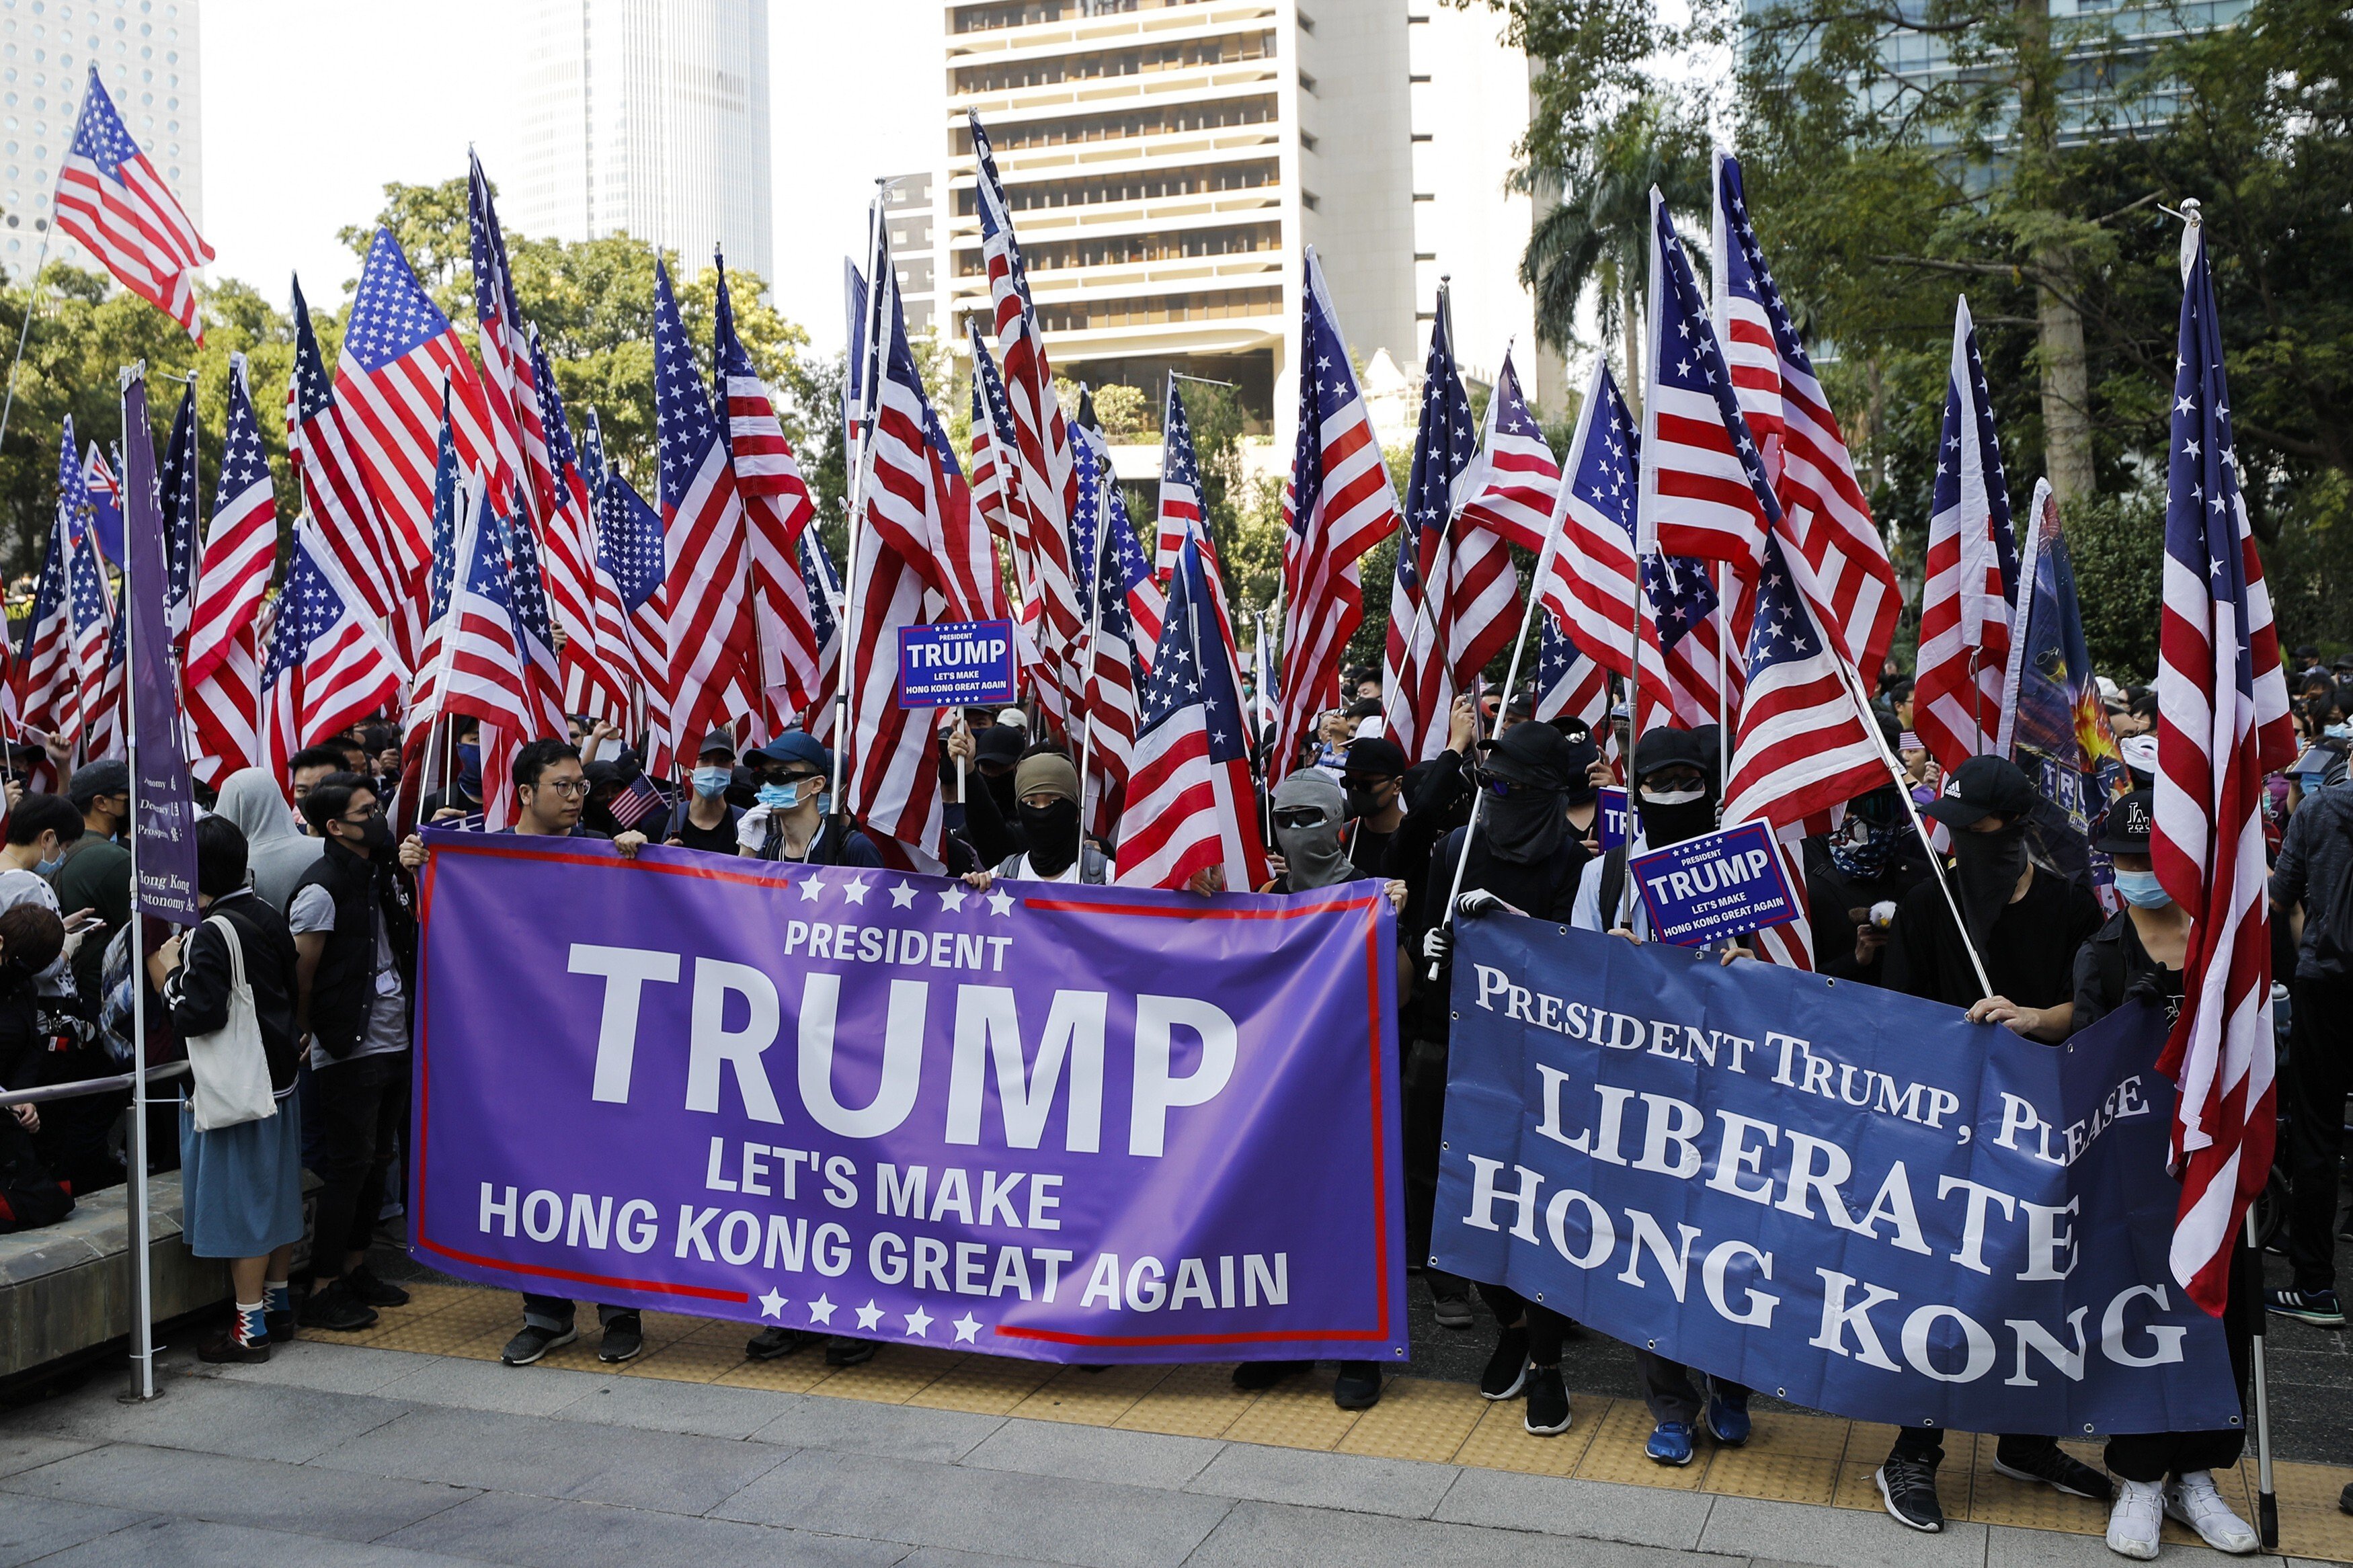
x=1832 y=896
x=198 y=992
x=367 y=893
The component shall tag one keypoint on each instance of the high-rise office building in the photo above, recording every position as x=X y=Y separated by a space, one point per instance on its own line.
x=146 y=53
x=650 y=118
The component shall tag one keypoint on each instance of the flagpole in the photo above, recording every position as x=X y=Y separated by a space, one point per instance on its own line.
x=861 y=470
x=1086 y=670
x=1723 y=678
x=2250 y=1279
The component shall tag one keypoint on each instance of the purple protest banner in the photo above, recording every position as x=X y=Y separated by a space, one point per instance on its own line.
x=163 y=807
x=1063 y=1122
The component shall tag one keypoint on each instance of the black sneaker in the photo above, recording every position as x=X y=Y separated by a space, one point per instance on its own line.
x=1254 y=1376
x=778 y=1342
x=1547 y=1414
x=1507 y=1369
x=2321 y=1309
x=1908 y=1488
x=1452 y=1310
x=535 y=1342
x=2055 y=1467
x=336 y=1310
x=1359 y=1386
x=842 y=1350
x=363 y=1283
x=624 y=1337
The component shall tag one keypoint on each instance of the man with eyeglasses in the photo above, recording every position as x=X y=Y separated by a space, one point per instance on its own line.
x=353 y=918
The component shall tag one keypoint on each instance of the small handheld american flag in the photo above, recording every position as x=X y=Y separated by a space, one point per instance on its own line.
x=639 y=799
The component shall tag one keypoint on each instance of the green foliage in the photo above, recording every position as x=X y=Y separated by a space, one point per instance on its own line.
x=2117 y=546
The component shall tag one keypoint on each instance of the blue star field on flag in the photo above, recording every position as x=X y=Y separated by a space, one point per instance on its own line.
x=629 y=541
x=1444 y=448
x=682 y=403
x=308 y=609
x=1974 y=403
x=392 y=316
x=1183 y=675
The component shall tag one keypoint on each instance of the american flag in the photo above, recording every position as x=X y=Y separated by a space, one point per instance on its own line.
x=484 y=660
x=1972 y=566
x=630 y=551
x=47 y=679
x=329 y=667
x=597 y=668
x=1108 y=551
x=639 y=799
x=90 y=607
x=1046 y=475
x=224 y=662
x=399 y=351
x=1826 y=521
x=176 y=482
x=111 y=199
x=1337 y=505
x=2222 y=724
x=1148 y=601
x=1180 y=468
x=107 y=734
x=776 y=510
x=1703 y=487
x=1507 y=499
x=1416 y=685
x=1568 y=681
x=510 y=391
x=333 y=485
x=534 y=627
x=996 y=496
x=1800 y=749
x=1685 y=624
x=1190 y=803
x=105 y=502
x=703 y=581
x=823 y=586
x=454 y=502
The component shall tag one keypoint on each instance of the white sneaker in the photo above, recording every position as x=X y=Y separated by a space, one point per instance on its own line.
x=2134 y=1523
x=2194 y=1500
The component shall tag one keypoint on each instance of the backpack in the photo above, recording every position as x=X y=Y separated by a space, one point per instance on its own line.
x=2334 y=904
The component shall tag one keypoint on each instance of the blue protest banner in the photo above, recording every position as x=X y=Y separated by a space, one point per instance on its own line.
x=956 y=664
x=1846 y=1197
x=1612 y=816
x=1719 y=884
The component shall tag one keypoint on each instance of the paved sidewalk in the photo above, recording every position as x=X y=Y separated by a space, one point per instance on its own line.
x=335 y=1453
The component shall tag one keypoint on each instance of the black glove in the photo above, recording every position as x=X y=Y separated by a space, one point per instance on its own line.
x=1475 y=902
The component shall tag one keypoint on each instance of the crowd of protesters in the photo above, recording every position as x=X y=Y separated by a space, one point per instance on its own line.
x=310 y=939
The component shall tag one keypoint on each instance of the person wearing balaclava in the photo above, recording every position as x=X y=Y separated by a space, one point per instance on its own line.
x=992 y=812
x=1046 y=803
x=1856 y=874
x=1518 y=855
x=2026 y=923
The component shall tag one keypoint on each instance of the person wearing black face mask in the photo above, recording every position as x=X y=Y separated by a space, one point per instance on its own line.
x=992 y=811
x=1855 y=875
x=2025 y=924
x=1373 y=774
x=1046 y=794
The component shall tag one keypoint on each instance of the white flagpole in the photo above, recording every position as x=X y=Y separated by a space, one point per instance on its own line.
x=861 y=474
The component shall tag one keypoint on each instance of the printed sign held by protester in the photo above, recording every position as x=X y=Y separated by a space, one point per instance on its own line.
x=956 y=664
x=1717 y=885
x=1612 y=816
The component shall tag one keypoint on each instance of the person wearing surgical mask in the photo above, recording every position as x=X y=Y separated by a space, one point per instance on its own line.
x=789 y=821
x=2138 y=955
x=704 y=820
x=39 y=829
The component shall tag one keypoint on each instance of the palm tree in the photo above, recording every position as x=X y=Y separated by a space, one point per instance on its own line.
x=1595 y=234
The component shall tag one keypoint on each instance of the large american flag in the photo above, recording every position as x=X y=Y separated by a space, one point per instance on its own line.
x=454 y=503
x=88 y=602
x=1416 y=686
x=1180 y=508
x=111 y=199
x=1800 y=749
x=1704 y=492
x=1336 y=505
x=46 y=680
x=996 y=496
x=329 y=667
x=1507 y=499
x=1685 y=624
x=1147 y=600
x=1189 y=795
x=333 y=486
x=510 y=391
x=1972 y=567
x=176 y=485
x=534 y=628
x=776 y=510
x=1108 y=551
x=399 y=351
x=484 y=658
x=629 y=552
x=1046 y=475
x=224 y=661
x=108 y=733
x=703 y=579
x=1826 y=521
x=1568 y=681
x=2222 y=724
x=597 y=669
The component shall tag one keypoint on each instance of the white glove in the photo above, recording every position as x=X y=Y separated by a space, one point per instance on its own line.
x=1437 y=944
x=752 y=829
x=1475 y=902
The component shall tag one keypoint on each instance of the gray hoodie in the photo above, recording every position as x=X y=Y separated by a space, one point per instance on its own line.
x=275 y=852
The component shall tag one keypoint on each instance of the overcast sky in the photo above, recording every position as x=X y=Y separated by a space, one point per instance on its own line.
x=309 y=108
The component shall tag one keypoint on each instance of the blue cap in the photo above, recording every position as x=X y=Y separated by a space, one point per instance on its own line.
x=796 y=746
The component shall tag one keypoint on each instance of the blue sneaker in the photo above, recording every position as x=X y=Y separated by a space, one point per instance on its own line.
x=2319 y=1308
x=1727 y=1418
x=1671 y=1444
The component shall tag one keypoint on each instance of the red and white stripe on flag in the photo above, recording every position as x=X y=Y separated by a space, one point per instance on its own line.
x=222 y=674
x=114 y=201
x=1972 y=567
x=2222 y=724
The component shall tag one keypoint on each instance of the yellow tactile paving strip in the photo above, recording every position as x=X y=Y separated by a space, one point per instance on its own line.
x=1798 y=1458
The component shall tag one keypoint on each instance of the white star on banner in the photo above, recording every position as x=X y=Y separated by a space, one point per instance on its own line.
x=952 y=897
x=810 y=888
x=772 y=1305
x=919 y=1323
x=869 y=1315
x=902 y=896
x=821 y=1310
x=855 y=891
x=1000 y=904
x=966 y=1327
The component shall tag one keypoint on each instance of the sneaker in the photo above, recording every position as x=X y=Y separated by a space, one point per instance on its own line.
x=1359 y=1386
x=1452 y=1311
x=776 y=1343
x=228 y=1348
x=2319 y=1308
x=1507 y=1369
x=1908 y=1488
x=363 y=1283
x=2134 y=1523
x=2052 y=1466
x=1255 y=1376
x=624 y=1337
x=1670 y=1444
x=1727 y=1419
x=2193 y=1500
x=2345 y=1499
x=336 y=1310
x=842 y=1350
x=1547 y=1414
x=535 y=1342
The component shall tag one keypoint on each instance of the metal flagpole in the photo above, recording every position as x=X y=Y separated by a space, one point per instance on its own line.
x=142 y=1296
x=1723 y=681
x=1086 y=674
x=2251 y=1279
x=861 y=474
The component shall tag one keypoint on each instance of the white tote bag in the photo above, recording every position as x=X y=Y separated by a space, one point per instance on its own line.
x=227 y=1068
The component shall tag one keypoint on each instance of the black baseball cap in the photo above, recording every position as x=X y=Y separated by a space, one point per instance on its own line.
x=2130 y=822
x=1535 y=754
x=1374 y=757
x=719 y=743
x=998 y=744
x=1661 y=748
x=1983 y=786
